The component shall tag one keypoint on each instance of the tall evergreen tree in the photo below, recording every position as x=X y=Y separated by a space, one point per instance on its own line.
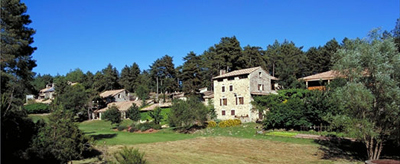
x=111 y=77
x=129 y=76
x=252 y=57
x=191 y=75
x=163 y=70
x=16 y=66
x=229 y=50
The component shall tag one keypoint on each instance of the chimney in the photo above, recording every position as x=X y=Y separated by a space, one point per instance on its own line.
x=221 y=72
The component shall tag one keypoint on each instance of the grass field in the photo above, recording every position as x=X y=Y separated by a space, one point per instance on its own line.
x=101 y=131
x=36 y=117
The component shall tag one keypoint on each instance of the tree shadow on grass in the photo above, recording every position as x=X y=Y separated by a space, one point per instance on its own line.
x=103 y=136
x=341 y=148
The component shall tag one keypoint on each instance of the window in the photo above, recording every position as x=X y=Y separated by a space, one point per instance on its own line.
x=223 y=88
x=232 y=112
x=231 y=78
x=260 y=87
x=231 y=88
x=241 y=100
x=259 y=74
x=223 y=113
x=223 y=102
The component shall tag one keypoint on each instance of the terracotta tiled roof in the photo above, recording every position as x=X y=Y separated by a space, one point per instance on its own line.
x=122 y=105
x=237 y=72
x=111 y=93
x=328 y=75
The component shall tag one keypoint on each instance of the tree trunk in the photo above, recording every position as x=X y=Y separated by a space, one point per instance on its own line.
x=374 y=149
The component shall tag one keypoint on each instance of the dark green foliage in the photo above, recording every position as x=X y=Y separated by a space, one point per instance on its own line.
x=143 y=93
x=133 y=113
x=228 y=51
x=40 y=82
x=16 y=66
x=37 y=108
x=288 y=114
x=185 y=114
x=191 y=75
x=74 y=97
x=163 y=70
x=121 y=127
x=129 y=156
x=60 y=139
x=75 y=76
x=129 y=77
x=320 y=59
x=252 y=57
x=287 y=62
x=156 y=115
x=113 y=115
x=293 y=108
x=148 y=125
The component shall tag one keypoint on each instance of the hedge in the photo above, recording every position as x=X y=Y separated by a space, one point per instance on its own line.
x=37 y=108
x=228 y=123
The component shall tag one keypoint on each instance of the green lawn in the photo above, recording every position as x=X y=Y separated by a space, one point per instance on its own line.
x=164 y=113
x=101 y=131
x=36 y=117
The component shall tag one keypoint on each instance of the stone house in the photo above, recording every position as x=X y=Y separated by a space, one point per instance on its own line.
x=47 y=93
x=234 y=92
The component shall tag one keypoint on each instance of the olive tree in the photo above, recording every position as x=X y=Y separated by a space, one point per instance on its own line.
x=370 y=99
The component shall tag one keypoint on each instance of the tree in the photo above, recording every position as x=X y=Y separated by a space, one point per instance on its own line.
x=163 y=71
x=113 y=115
x=229 y=50
x=75 y=76
x=16 y=66
x=110 y=77
x=143 y=93
x=371 y=97
x=156 y=115
x=129 y=76
x=134 y=113
x=252 y=57
x=190 y=76
x=60 y=140
x=185 y=114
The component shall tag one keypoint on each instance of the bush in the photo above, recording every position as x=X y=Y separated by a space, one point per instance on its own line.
x=134 y=113
x=211 y=124
x=129 y=155
x=121 y=128
x=112 y=114
x=229 y=123
x=37 y=108
x=148 y=125
x=185 y=114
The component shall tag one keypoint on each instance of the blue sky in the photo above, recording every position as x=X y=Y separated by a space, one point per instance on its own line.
x=89 y=34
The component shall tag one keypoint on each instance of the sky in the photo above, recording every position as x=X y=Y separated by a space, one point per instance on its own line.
x=90 y=34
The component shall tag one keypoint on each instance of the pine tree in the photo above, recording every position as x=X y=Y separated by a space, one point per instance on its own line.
x=191 y=77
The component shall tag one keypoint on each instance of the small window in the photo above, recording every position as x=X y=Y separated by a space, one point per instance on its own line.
x=241 y=100
x=231 y=78
x=223 y=102
x=261 y=87
x=232 y=112
x=223 y=88
x=259 y=74
x=231 y=88
x=223 y=113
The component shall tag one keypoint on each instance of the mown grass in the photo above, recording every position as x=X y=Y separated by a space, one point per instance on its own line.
x=103 y=133
x=36 y=117
x=164 y=112
x=249 y=130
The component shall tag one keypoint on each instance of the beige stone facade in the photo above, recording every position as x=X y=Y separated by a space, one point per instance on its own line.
x=234 y=91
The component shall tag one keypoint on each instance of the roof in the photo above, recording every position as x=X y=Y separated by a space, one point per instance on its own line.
x=328 y=75
x=111 y=92
x=122 y=105
x=208 y=94
x=48 y=89
x=263 y=93
x=237 y=72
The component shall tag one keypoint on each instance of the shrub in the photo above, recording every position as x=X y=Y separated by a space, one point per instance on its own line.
x=112 y=114
x=229 y=123
x=148 y=125
x=134 y=113
x=185 y=114
x=121 y=128
x=129 y=155
x=37 y=108
x=211 y=124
